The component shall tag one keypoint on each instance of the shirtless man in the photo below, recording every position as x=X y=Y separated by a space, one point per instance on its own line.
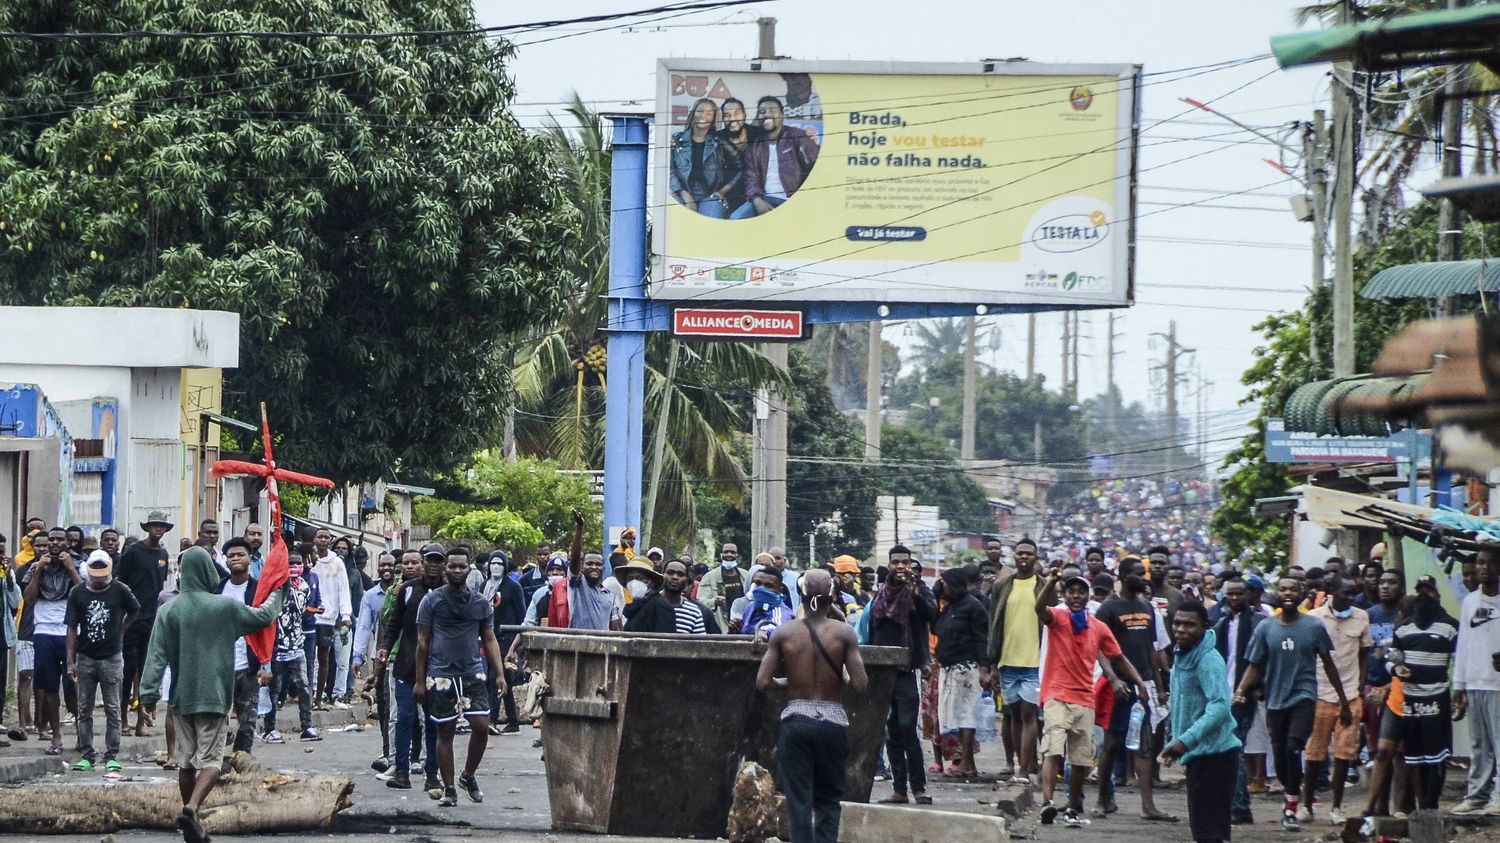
x=818 y=652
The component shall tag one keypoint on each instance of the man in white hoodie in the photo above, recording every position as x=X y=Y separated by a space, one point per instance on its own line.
x=334 y=622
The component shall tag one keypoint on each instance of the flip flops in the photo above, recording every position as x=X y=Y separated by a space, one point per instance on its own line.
x=83 y=766
x=113 y=766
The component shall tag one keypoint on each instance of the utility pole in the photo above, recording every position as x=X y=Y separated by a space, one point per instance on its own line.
x=768 y=482
x=1109 y=389
x=1067 y=349
x=1077 y=337
x=872 y=394
x=1450 y=223
x=1343 y=209
x=659 y=446
x=971 y=384
x=1030 y=346
x=1169 y=366
x=1314 y=148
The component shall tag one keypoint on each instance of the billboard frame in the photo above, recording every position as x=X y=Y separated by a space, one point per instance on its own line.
x=1124 y=193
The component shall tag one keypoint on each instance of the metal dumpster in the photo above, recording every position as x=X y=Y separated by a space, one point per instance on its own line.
x=644 y=732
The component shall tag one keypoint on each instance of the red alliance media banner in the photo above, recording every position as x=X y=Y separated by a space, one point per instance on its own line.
x=737 y=323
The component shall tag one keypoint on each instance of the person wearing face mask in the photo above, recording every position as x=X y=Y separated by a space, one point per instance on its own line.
x=1349 y=627
x=509 y=604
x=288 y=667
x=555 y=571
x=648 y=611
x=724 y=584
x=764 y=609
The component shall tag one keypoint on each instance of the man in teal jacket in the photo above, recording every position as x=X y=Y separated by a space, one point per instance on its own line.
x=194 y=635
x=1202 y=724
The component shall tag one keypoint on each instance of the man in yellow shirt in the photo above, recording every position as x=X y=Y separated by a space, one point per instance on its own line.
x=1015 y=647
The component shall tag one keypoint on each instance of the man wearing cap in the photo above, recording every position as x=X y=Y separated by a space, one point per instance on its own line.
x=98 y=612
x=400 y=637
x=657 y=557
x=140 y=569
x=46 y=586
x=846 y=575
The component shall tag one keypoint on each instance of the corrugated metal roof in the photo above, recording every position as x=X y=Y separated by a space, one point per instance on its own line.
x=1445 y=36
x=1427 y=280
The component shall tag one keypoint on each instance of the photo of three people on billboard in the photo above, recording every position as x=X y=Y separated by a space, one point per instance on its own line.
x=725 y=165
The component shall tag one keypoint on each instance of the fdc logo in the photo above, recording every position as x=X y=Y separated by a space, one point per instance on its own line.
x=1074 y=280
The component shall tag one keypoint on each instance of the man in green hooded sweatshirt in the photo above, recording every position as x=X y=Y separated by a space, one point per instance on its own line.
x=194 y=635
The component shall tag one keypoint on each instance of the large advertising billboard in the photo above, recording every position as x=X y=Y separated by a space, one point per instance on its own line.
x=985 y=183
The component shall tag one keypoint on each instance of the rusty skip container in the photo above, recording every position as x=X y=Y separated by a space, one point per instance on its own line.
x=643 y=732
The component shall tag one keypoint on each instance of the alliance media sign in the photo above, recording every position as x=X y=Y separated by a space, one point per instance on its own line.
x=737 y=323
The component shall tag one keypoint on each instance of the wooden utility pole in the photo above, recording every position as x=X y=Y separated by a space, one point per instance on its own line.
x=1343 y=209
x=1172 y=377
x=971 y=384
x=1314 y=152
x=1030 y=346
x=1450 y=223
x=872 y=394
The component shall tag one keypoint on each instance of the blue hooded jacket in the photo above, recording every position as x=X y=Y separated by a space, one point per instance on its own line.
x=1200 y=713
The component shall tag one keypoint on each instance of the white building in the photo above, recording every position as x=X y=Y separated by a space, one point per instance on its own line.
x=102 y=414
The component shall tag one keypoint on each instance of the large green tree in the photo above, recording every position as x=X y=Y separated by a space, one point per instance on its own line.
x=370 y=208
x=916 y=463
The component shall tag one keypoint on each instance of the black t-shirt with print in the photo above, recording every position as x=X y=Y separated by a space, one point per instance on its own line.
x=100 y=617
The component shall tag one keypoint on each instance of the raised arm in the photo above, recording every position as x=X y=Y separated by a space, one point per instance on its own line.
x=575 y=552
x=1047 y=598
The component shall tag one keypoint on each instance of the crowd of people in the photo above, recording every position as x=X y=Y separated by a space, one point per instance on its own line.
x=1121 y=515
x=1079 y=674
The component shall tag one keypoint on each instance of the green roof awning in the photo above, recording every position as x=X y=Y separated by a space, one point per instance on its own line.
x=1446 y=36
x=1431 y=280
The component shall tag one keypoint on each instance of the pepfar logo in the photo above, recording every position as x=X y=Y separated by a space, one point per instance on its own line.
x=1071 y=232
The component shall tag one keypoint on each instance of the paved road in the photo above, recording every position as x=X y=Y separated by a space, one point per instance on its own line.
x=515 y=805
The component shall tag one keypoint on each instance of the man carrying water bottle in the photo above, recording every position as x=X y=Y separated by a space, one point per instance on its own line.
x=1132 y=620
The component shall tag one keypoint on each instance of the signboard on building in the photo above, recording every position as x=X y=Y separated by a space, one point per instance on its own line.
x=737 y=323
x=1291 y=446
x=984 y=183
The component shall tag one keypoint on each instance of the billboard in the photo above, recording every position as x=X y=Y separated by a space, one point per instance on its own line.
x=1293 y=446
x=988 y=183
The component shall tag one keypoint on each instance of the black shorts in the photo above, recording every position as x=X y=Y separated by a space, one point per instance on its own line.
x=325 y=636
x=1390 y=724
x=1119 y=721
x=449 y=697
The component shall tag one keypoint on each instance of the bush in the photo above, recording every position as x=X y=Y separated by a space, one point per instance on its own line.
x=493 y=526
x=437 y=512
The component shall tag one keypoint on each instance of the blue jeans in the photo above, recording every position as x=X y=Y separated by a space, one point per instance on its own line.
x=812 y=755
x=712 y=206
x=406 y=719
x=1239 y=805
x=747 y=210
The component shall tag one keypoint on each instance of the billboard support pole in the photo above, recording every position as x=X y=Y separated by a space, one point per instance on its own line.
x=625 y=407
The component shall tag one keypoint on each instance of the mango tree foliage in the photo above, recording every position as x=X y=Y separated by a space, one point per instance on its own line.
x=370 y=208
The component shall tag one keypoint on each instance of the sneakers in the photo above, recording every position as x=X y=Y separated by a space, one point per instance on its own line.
x=1049 y=813
x=399 y=781
x=309 y=735
x=340 y=705
x=433 y=787
x=274 y=736
x=1305 y=814
x=450 y=798
x=1493 y=809
x=1335 y=816
x=1367 y=827
x=471 y=785
x=1072 y=820
x=1289 y=821
x=1467 y=807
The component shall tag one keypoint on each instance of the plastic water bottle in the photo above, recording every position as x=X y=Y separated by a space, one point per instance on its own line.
x=1133 y=733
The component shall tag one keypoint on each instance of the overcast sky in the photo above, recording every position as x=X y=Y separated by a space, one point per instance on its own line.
x=1215 y=270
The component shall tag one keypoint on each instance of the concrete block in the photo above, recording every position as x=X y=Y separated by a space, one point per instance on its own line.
x=897 y=824
x=1426 y=826
x=21 y=769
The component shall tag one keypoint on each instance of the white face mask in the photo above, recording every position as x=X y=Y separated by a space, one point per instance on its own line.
x=497 y=570
x=728 y=563
x=637 y=588
x=555 y=578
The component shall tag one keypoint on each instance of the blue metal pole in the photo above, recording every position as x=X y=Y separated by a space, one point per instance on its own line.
x=625 y=401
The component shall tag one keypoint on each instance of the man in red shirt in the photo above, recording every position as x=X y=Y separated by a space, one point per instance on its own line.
x=1075 y=640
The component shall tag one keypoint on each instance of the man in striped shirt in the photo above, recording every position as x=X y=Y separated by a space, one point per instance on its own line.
x=691 y=616
x=1419 y=656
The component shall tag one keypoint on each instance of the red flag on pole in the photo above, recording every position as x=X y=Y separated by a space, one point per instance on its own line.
x=273 y=573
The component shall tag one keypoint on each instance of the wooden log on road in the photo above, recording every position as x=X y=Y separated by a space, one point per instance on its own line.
x=249 y=799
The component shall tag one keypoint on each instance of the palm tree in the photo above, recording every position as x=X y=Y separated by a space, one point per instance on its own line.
x=1403 y=110
x=941 y=339
x=559 y=372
